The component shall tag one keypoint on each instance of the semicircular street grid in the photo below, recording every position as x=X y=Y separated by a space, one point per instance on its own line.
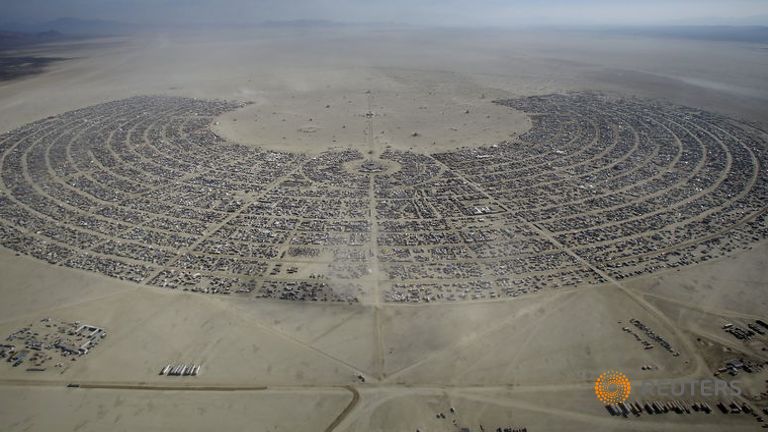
x=141 y=189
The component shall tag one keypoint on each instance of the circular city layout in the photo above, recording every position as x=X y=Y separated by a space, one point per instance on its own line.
x=598 y=190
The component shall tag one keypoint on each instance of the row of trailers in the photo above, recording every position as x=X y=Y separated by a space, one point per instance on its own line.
x=658 y=407
x=181 y=370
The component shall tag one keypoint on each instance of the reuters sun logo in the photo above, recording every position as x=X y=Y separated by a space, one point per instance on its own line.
x=612 y=387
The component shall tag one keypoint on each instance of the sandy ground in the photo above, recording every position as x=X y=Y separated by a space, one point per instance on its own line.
x=47 y=408
x=523 y=362
x=409 y=114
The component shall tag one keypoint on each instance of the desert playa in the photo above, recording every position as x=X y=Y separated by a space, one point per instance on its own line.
x=383 y=229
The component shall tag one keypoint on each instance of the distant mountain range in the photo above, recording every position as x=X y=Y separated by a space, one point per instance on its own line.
x=726 y=33
x=83 y=27
x=753 y=20
x=75 y=26
x=90 y=27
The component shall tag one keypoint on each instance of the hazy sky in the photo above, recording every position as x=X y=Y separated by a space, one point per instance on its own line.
x=446 y=12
